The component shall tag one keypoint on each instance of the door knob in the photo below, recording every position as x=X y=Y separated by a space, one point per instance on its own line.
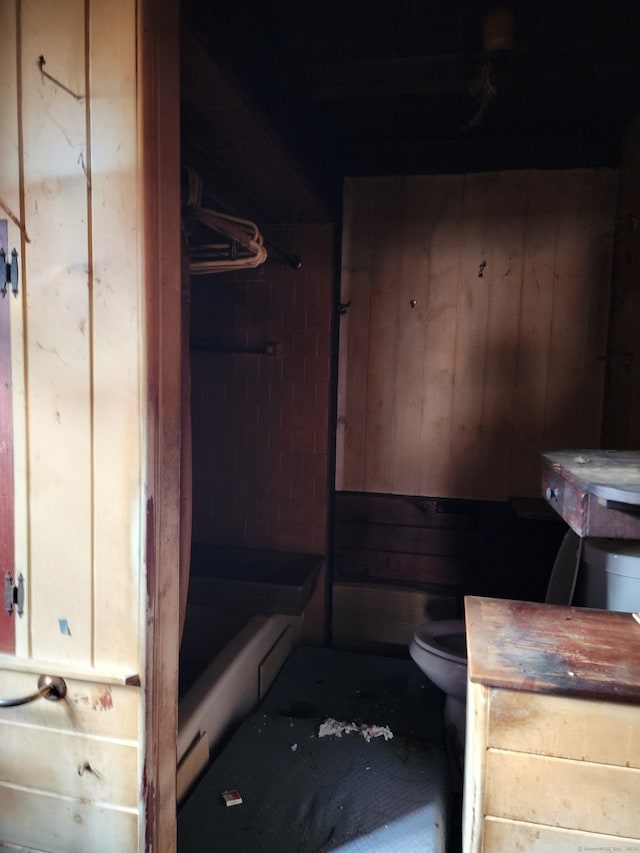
x=50 y=687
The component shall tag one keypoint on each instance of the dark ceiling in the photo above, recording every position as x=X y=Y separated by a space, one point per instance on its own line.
x=395 y=87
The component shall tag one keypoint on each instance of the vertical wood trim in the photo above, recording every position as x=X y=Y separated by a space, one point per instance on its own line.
x=12 y=159
x=186 y=446
x=11 y=386
x=117 y=328
x=90 y=330
x=476 y=744
x=158 y=98
x=7 y=567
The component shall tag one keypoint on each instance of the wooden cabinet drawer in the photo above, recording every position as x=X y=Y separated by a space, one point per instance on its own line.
x=583 y=730
x=35 y=821
x=504 y=836
x=70 y=770
x=570 y=502
x=565 y=793
x=90 y=707
x=96 y=769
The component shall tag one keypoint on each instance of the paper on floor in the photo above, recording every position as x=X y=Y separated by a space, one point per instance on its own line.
x=335 y=728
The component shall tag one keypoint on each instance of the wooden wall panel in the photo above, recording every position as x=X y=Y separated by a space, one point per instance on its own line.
x=441 y=314
x=261 y=422
x=387 y=243
x=471 y=334
x=451 y=547
x=79 y=347
x=622 y=407
x=603 y=226
x=412 y=297
x=512 y=270
x=503 y=333
x=58 y=338
x=356 y=275
x=80 y=287
x=116 y=322
x=382 y=618
x=536 y=312
x=572 y=360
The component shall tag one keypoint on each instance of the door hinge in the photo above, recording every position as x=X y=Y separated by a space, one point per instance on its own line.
x=8 y=272
x=14 y=595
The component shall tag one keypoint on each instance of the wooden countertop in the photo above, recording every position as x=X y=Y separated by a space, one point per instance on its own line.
x=613 y=475
x=544 y=648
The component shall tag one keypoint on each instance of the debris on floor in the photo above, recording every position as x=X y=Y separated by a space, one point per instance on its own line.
x=335 y=728
x=231 y=798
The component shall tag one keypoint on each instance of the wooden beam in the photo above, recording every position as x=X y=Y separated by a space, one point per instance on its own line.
x=159 y=100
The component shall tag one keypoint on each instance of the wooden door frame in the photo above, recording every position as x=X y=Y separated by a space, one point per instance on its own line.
x=158 y=99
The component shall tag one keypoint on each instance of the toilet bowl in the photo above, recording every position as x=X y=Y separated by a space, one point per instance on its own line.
x=440 y=650
x=439 y=647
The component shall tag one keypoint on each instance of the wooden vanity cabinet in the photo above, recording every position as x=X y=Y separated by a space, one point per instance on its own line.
x=597 y=492
x=552 y=759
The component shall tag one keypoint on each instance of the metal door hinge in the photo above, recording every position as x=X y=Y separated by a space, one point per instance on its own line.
x=14 y=595
x=8 y=272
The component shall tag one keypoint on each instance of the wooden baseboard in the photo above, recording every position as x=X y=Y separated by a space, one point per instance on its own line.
x=381 y=617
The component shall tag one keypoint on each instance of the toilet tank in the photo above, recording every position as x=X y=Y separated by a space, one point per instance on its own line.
x=609 y=576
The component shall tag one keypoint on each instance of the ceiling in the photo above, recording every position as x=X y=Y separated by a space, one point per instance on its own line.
x=371 y=88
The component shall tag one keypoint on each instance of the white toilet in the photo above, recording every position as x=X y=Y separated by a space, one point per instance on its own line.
x=608 y=579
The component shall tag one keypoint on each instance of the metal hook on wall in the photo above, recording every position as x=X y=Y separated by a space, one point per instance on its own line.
x=41 y=63
x=294 y=261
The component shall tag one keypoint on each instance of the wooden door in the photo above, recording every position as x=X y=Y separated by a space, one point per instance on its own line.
x=76 y=145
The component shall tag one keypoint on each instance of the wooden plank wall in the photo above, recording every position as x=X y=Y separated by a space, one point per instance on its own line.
x=81 y=350
x=622 y=400
x=261 y=422
x=476 y=332
x=449 y=548
x=70 y=182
